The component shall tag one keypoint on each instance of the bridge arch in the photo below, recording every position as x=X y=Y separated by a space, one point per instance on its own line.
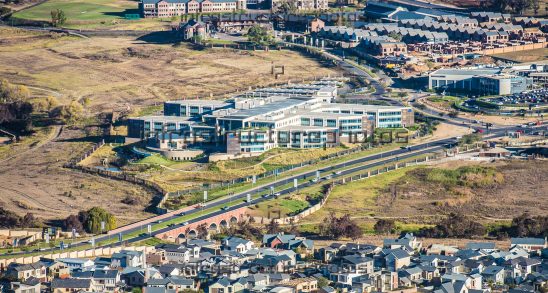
x=223 y=224
x=191 y=234
x=213 y=227
x=233 y=220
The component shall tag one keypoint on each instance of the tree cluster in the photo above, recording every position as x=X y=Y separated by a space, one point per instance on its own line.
x=515 y=6
x=384 y=226
x=244 y=229
x=524 y=226
x=336 y=227
x=10 y=93
x=470 y=138
x=11 y=220
x=68 y=113
x=456 y=225
x=259 y=35
x=90 y=221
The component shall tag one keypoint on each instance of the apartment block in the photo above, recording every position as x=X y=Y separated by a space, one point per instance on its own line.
x=170 y=8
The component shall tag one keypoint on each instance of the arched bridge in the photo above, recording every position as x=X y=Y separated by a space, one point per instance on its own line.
x=214 y=224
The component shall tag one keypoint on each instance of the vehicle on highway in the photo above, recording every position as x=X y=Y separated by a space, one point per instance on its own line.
x=182 y=214
x=338 y=173
x=328 y=177
x=314 y=180
x=224 y=208
x=185 y=223
x=265 y=195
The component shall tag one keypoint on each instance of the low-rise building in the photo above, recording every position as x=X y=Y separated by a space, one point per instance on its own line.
x=170 y=8
x=485 y=81
x=259 y=121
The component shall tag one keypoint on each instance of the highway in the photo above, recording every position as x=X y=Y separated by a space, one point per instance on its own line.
x=335 y=171
x=345 y=168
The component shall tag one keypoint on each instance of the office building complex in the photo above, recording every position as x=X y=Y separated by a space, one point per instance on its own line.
x=484 y=81
x=292 y=117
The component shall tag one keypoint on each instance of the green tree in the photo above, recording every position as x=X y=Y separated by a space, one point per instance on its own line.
x=58 y=17
x=259 y=35
x=287 y=7
x=92 y=220
x=322 y=282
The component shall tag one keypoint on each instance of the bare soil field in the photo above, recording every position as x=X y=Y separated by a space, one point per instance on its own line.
x=112 y=73
x=404 y=195
x=33 y=180
x=125 y=73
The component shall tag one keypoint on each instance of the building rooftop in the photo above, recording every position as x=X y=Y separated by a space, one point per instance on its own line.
x=472 y=71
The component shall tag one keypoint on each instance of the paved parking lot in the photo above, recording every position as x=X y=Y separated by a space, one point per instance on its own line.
x=536 y=97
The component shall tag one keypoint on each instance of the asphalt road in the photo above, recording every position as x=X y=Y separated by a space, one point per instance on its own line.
x=335 y=171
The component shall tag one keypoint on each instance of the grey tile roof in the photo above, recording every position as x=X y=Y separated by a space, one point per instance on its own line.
x=70 y=283
x=528 y=241
x=491 y=270
x=480 y=245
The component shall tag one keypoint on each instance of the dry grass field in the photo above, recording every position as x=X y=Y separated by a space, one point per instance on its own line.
x=33 y=180
x=525 y=56
x=113 y=73
x=124 y=72
x=517 y=187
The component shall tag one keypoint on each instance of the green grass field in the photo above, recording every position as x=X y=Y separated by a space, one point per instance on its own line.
x=75 y=10
x=93 y=14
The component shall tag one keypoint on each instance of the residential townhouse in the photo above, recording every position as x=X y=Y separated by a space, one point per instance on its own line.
x=23 y=272
x=529 y=244
x=171 y=8
x=70 y=285
x=350 y=267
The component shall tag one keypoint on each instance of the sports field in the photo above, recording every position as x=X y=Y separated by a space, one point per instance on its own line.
x=75 y=10
x=92 y=14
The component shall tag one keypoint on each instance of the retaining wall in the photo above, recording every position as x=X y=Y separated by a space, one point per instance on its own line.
x=88 y=253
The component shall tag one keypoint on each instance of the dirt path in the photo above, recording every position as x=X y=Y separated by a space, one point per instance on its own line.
x=53 y=135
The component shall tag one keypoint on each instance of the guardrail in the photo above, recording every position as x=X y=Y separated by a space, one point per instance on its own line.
x=267 y=174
